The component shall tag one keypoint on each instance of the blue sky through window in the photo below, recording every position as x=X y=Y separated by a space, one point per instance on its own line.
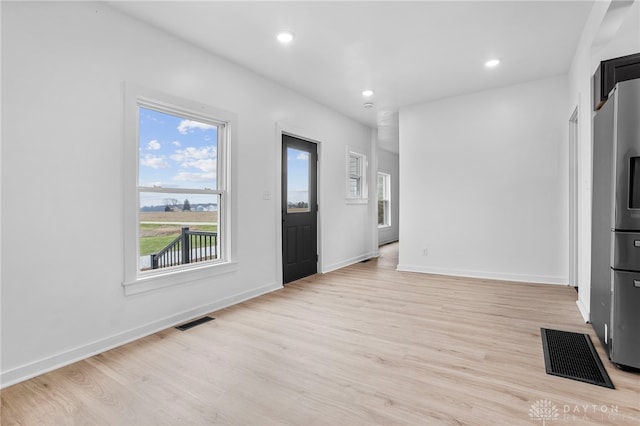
x=176 y=152
x=297 y=176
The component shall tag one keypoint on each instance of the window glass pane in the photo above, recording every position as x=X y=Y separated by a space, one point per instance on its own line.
x=176 y=152
x=163 y=217
x=387 y=220
x=383 y=199
x=354 y=187
x=356 y=179
x=297 y=181
x=354 y=165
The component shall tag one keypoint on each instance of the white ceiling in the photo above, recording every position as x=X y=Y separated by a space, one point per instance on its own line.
x=407 y=52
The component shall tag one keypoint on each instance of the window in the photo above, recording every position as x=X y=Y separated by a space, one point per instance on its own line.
x=298 y=181
x=356 y=177
x=177 y=204
x=384 y=199
x=178 y=192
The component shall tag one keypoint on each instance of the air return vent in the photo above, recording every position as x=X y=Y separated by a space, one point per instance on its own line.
x=572 y=355
x=193 y=323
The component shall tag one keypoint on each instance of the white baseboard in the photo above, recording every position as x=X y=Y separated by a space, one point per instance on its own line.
x=345 y=263
x=583 y=311
x=538 y=279
x=33 y=369
x=388 y=241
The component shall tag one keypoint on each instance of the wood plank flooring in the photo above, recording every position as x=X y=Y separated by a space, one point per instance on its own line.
x=364 y=345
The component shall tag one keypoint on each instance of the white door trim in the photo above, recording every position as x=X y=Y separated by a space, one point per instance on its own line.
x=574 y=139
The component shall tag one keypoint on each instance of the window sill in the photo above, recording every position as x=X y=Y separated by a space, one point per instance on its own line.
x=357 y=201
x=176 y=277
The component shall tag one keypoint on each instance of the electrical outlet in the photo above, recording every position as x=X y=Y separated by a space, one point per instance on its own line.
x=425 y=252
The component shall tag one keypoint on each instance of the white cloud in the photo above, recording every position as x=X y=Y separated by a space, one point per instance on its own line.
x=206 y=165
x=153 y=145
x=303 y=156
x=176 y=143
x=193 y=153
x=154 y=162
x=188 y=125
x=200 y=158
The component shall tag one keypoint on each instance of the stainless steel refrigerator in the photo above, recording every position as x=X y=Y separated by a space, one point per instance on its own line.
x=615 y=248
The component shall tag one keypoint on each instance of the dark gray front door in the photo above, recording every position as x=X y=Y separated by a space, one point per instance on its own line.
x=299 y=208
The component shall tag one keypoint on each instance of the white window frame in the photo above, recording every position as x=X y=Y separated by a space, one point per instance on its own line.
x=136 y=281
x=386 y=198
x=360 y=175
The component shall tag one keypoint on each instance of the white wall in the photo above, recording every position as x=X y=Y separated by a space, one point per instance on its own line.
x=388 y=162
x=612 y=30
x=62 y=188
x=484 y=184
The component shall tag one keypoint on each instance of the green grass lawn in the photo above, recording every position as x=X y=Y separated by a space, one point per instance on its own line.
x=154 y=243
x=149 y=245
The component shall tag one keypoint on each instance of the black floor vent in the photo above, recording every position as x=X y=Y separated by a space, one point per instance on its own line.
x=572 y=355
x=193 y=323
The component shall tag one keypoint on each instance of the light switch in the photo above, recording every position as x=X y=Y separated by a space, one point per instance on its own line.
x=266 y=195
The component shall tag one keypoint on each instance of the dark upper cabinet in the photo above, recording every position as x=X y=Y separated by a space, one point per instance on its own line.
x=610 y=72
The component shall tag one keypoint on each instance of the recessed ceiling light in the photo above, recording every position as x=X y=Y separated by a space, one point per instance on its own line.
x=285 y=37
x=368 y=105
x=367 y=93
x=492 y=63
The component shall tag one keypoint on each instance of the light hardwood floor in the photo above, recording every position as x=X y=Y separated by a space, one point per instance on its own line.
x=364 y=345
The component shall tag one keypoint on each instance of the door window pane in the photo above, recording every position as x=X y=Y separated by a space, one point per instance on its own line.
x=297 y=181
